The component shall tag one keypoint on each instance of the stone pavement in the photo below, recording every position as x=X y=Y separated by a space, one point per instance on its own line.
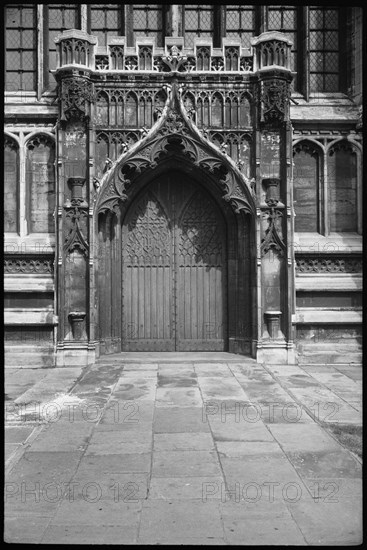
x=199 y=448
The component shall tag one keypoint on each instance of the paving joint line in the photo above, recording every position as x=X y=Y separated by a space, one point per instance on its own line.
x=312 y=415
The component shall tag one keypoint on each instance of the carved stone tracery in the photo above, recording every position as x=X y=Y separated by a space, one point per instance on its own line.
x=274 y=98
x=176 y=135
x=273 y=235
x=76 y=93
x=308 y=264
x=28 y=265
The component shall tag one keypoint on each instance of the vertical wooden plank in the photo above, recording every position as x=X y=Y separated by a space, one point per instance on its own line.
x=200 y=295
x=206 y=298
x=212 y=299
x=154 y=300
x=108 y=296
x=141 y=296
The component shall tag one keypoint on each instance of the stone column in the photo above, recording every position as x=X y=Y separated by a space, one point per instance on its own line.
x=74 y=345
x=274 y=230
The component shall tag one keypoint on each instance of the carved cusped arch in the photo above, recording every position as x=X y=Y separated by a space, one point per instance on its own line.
x=174 y=135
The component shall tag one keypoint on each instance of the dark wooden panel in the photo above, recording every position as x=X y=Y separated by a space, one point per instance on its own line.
x=201 y=273
x=147 y=277
x=174 y=270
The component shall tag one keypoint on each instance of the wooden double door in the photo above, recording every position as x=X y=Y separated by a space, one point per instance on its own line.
x=174 y=263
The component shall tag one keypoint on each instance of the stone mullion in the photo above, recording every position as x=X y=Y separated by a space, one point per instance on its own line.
x=289 y=296
x=325 y=193
x=59 y=270
x=258 y=322
x=40 y=50
x=23 y=195
x=91 y=156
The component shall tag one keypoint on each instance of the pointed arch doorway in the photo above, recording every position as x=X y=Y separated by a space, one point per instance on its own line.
x=174 y=269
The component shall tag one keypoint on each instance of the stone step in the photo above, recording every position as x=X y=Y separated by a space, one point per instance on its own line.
x=30 y=357
x=176 y=357
x=329 y=356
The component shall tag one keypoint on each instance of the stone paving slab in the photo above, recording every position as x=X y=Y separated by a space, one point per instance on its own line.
x=304 y=437
x=164 y=521
x=58 y=380
x=178 y=397
x=260 y=523
x=329 y=523
x=124 y=442
x=182 y=488
x=228 y=429
x=104 y=511
x=183 y=442
x=320 y=464
x=33 y=529
x=90 y=534
x=185 y=463
x=63 y=437
x=179 y=419
x=92 y=465
x=166 y=450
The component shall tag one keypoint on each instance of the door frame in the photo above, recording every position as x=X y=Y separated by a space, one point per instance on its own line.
x=241 y=291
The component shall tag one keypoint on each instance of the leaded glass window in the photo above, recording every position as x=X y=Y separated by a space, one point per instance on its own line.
x=21 y=47
x=106 y=20
x=284 y=19
x=342 y=188
x=11 y=185
x=148 y=21
x=241 y=23
x=60 y=18
x=199 y=22
x=306 y=176
x=324 y=49
x=40 y=181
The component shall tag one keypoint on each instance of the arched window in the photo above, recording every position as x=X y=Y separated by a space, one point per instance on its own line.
x=159 y=103
x=231 y=58
x=203 y=59
x=116 y=110
x=231 y=111
x=245 y=112
x=342 y=187
x=40 y=184
x=11 y=185
x=102 y=153
x=131 y=111
x=145 y=58
x=21 y=48
x=102 y=109
x=202 y=114
x=217 y=111
x=306 y=177
x=198 y=22
x=145 y=110
x=116 y=142
x=245 y=156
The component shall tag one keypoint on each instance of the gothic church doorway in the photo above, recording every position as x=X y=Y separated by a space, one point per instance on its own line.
x=174 y=269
